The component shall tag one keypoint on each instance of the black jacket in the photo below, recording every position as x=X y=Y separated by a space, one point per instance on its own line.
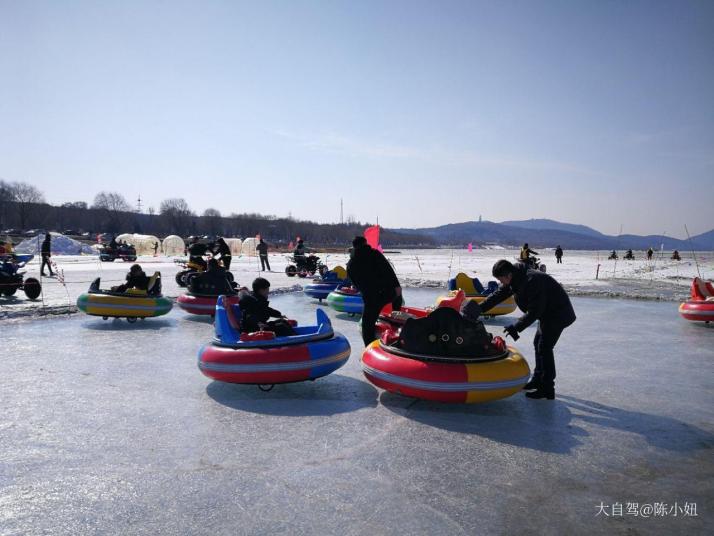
x=222 y=248
x=299 y=250
x=197 y=250
x=372 y=274
x=538 y=295
x=46 y=246
x=140 y=281
x=262 y=248
x=256 y=310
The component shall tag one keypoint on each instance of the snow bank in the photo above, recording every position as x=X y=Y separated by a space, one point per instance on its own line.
x=61 y=245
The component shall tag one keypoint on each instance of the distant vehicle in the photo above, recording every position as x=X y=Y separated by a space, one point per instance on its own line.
x=125 y=252
x=70 y=232
x=12 y=232
x=86 y=234
x=33 y=232
x=13 y=279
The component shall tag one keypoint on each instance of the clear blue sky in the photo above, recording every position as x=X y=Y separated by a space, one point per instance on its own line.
x=596 y=112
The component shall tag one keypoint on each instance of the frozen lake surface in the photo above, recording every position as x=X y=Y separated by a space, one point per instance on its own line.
x=109 y=428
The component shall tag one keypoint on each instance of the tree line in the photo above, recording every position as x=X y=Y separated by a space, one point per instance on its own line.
x=23 y=207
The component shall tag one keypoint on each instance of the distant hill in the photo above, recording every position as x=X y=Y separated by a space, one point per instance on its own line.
x=549 y=233
x=705 y=239
x=552 y=225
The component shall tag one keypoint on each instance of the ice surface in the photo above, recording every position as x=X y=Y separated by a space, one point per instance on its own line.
x=109 y=428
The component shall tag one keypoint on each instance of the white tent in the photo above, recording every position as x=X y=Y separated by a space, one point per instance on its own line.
x=144 y=244
x=173 y=245
x=236 y=245
x=248 y=247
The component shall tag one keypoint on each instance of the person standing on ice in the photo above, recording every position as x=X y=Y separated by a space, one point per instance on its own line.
x=650 y=252
x=262 y=249
x=156 y=249
x=543 y=299
x=46 y=253
x=374 y=277
x=559 y=255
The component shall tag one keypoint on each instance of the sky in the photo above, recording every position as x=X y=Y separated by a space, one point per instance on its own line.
x=414 y=113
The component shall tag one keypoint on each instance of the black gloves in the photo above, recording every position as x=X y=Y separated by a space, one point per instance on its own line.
x=397 y=303
x=471 y=310
x=512 y=331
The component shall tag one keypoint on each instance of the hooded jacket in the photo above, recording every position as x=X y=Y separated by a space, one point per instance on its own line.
x=538 y=295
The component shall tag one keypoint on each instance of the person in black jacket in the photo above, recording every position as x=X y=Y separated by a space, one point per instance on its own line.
x=212 y=282
x=221 y=248
x=196 y=251
x=257 y=312
x=46 y=253
x=559 y=255
x=374 y=277
x=542 y=298
x=262 y=249
x=136 y=278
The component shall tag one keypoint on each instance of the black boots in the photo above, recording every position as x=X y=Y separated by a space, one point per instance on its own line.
x=541 y=392
x=533 y=384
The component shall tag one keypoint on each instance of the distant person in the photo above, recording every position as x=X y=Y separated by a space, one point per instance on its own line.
x=526 y=253
x=629 y=255
x=543 y=299
x=136 y=279
x=675 y=256
x=262 y=249
x=113 y=243
x=559 y=255
x=156 y=249
x=613 y=256
x=196 y=251
x=223 y=250
x=46 y=254
x=650 y=252
x=256 y=311
x=370 y=272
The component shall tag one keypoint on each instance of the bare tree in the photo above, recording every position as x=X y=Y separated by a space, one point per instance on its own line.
x=26 y=198
x=82 y=205
x=113 y=204
x=5 y=198
x=111 y=201
x=212 y=221
x=176 y=214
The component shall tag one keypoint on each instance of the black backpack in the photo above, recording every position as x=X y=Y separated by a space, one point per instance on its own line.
x=445 y=333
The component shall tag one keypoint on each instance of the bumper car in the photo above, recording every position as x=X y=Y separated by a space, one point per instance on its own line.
x=133 y=304
x=320 y=287
x=474 y=290
x=442 y=357
x=700 y=305
x=264 y=359
x=346 y=300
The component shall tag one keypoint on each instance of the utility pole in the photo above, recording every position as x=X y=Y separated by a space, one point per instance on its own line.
x=342 y=212
x=138 y=204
